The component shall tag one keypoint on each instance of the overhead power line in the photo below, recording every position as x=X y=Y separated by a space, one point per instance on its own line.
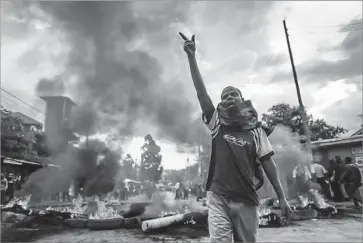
x=337 y=26
x=36 y=109
x=17 y=106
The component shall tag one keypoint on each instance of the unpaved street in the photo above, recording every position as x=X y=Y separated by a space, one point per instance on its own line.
x=327 y=230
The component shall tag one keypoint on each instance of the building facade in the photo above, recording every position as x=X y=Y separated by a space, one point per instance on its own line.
x=343 y=147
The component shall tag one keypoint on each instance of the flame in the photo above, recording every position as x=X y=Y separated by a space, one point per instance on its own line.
x=320 y=201
x=264 y=211
x=20 y=201
x=304 y=200
x=104 y=212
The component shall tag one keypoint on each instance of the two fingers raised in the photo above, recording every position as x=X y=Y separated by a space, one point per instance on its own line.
x=186 y=39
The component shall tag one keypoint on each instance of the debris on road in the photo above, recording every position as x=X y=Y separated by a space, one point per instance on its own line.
x=99 y=215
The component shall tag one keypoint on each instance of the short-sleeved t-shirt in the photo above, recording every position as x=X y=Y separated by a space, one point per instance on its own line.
x=318 y=170
x=234 y=157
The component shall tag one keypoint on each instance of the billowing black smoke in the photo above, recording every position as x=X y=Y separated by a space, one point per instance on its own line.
x=92 y=167
x=112 y=56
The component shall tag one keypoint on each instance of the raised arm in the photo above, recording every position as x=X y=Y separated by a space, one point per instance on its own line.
x=204 y=100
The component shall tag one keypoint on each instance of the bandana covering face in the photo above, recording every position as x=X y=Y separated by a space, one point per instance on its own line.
x=241 y=114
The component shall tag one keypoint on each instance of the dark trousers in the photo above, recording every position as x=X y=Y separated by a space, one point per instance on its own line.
x=353 y=192
x=338 y=195
x=324 y=187
x=10 y=192
x=186 y=194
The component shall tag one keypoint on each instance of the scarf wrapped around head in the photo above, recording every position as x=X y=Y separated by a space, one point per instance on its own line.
x=241 y=114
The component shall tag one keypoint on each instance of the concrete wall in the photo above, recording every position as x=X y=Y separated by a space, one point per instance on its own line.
x=58 y=113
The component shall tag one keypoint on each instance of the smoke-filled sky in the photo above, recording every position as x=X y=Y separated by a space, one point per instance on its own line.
x=125 y=61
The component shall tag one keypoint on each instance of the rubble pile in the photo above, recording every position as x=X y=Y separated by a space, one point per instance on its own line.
x=96 y=214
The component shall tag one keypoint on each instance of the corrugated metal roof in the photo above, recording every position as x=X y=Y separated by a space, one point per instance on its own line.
x=359 y=132
x=26 y=119
x=336 y=141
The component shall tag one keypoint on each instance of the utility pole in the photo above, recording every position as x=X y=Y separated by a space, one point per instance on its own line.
x=302 y=109
x=199 y=158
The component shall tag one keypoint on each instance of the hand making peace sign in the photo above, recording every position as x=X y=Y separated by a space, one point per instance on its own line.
x=189 y=45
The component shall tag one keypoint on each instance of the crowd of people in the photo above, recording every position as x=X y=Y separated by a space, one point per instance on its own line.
x=339 y=182
x=183 y=190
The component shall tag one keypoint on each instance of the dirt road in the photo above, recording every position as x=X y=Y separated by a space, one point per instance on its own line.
x=327 y=230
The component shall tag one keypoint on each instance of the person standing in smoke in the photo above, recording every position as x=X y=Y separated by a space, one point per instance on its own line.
x=302 y=179
x=238 y=142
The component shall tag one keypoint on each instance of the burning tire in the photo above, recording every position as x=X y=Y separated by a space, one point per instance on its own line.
x=105 y=224
x=77 y=223
x=132 y=223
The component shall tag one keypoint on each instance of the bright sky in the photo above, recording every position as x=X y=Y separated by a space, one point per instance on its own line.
x=238 y=43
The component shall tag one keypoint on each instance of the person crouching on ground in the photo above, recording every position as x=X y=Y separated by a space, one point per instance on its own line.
x=237 y=144
x=351 y=179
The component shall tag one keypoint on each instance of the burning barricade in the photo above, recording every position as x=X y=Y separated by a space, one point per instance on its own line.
x=150 y=216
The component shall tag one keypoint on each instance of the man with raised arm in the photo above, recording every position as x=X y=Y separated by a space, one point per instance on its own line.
x=238 y=143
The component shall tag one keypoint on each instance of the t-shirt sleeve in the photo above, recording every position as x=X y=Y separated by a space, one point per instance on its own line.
x=213 y=123
x=263 y=146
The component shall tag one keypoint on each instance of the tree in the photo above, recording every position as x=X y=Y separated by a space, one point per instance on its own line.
x=174 y=176
x=151 y=168
x=291 y=117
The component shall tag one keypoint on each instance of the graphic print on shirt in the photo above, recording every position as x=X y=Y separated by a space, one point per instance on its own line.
x=236 y=141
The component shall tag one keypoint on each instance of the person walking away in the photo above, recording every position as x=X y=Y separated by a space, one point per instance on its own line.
x=237 y=143
x=321 y=177
x=351 y=179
